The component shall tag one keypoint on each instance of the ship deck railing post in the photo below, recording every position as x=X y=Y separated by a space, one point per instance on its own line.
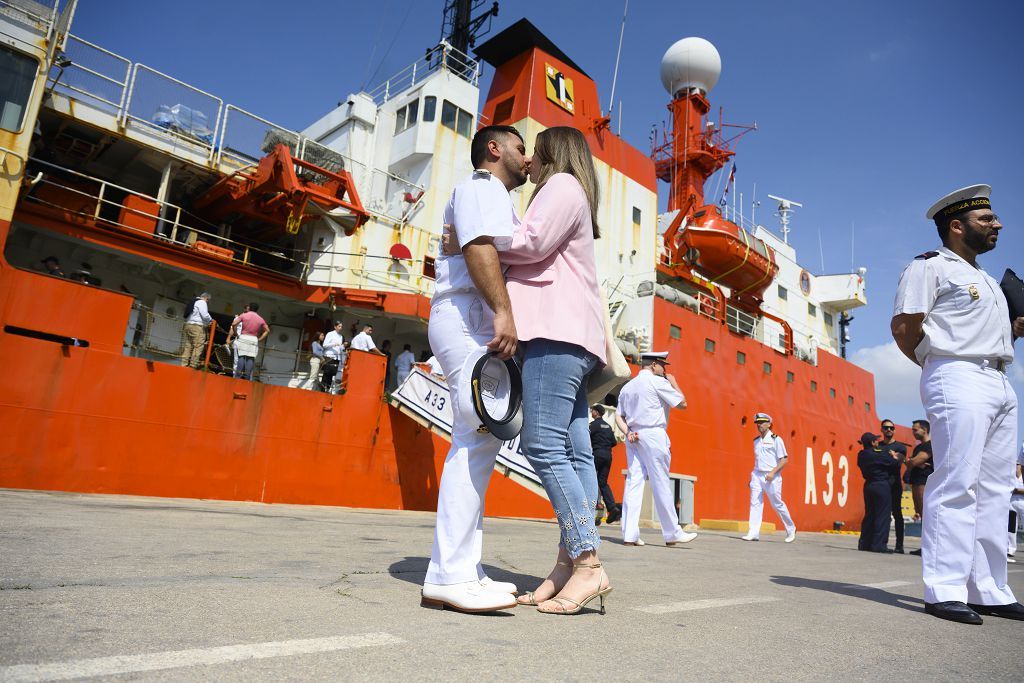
x=209 y=345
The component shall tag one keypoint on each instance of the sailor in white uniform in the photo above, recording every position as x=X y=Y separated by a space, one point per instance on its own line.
x=471 y=309
x=642 y=415
x=1016 y=507
x=770 y=457
x=952 y=319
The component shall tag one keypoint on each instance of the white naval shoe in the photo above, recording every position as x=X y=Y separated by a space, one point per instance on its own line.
x=470 y=597
x=750 y=537
x=685 y=537
x=638 y=541
x=498 y=586
x=790 y=537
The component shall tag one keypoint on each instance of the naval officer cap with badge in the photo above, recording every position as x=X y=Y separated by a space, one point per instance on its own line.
x=951 y=318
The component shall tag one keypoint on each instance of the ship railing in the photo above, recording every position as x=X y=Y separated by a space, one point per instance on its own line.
x=245 y=138
x=42 y=13
x=88 y=71
x=442 y=56
x=164 y=106
x=102 y=202
x=740 y=321
x=368 y=271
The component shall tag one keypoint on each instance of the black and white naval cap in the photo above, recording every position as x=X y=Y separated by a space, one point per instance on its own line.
x=655 y=357
x=762 y=417
x=492 y=389
x=958 y=201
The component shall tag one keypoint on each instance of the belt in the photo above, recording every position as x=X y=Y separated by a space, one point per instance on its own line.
x=994 y=363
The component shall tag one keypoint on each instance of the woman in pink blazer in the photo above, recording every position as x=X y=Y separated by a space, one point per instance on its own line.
x=556 y=304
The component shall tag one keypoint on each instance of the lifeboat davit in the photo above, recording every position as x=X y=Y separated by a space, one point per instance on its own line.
x=726 y=254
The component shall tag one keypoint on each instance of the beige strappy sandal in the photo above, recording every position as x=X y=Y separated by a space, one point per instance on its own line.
x=578 y=606
x=530 y=598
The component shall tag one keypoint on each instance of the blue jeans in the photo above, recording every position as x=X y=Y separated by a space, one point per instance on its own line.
x=556 y=436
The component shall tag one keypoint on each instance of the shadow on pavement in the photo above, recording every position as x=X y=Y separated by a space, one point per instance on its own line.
x=413 y=569
x=854 y=591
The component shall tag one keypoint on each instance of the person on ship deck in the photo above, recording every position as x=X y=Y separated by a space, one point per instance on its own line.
x=252 y=329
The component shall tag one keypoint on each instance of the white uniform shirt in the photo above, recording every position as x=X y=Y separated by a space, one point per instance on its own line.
x=363 y=342
x=646 y=399
x=479 y=206
x=768 y=451
x=966 y=315
x=334 y=345
x=200 y=314
x=404 y=362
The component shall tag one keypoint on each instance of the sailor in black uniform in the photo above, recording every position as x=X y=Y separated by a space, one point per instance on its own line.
x=877 y=465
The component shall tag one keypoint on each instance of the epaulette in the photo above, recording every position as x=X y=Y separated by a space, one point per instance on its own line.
x=926 y=255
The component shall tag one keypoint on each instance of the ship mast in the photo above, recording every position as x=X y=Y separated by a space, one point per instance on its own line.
x=460 y=29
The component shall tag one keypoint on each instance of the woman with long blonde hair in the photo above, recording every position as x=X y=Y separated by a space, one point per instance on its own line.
x=556 y=304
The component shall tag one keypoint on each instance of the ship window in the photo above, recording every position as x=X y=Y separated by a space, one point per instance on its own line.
x=849 y=400
x=674 y=332
x=814 y=386
x=17 y=76
x=709 y=345
x=812 y=310
x=783 y=293
x=503 y=110
x=406 y=116
x=867 y=407
x=767 y=368
x=741 y=358
x=448 y=114
x=790 y=377
x=636 y=216
x=429 y=106
x=832 y=392
x=827 y=317
x=464 y=126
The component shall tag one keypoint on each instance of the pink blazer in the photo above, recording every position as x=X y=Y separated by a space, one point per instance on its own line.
x=552 y=274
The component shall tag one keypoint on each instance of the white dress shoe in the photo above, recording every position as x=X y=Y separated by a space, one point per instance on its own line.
x=685 y=537
x=468 y=597
x=790 y=537
x=748 y=537
x=638 y=541
x=498 y=586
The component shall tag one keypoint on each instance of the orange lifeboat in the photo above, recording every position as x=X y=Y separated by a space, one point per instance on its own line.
x=726 y=254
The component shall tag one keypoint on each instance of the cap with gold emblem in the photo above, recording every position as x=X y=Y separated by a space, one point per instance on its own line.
x=964 y=199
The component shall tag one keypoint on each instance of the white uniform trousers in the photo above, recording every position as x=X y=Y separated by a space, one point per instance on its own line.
x=459 y=324
x=402 y=375
x=760 y=488
x=973 y=413
x=1016 y=505
x=649 y=457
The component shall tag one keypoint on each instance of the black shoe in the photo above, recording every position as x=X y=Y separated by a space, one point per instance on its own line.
x=953 y=610
x=898 y=550
x=884 y=551
x=1012 y=611
x=615 y=515
x=915 y=552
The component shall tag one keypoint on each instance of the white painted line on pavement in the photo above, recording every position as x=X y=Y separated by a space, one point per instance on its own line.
x=155 y=661
x=883 y=584
x=710 y=603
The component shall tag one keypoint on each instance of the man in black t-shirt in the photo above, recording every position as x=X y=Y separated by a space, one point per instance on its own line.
x=890 y=445
x=919 y=465
x=602 y=440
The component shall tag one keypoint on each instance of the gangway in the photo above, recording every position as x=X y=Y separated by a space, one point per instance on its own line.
x=426 y=399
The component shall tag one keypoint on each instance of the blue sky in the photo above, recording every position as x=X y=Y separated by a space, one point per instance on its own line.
x=867 y=111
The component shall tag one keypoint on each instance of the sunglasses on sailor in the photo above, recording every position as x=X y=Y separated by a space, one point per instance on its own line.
x=888 y=428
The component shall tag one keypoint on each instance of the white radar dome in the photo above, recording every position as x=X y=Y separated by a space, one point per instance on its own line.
x=690 y=63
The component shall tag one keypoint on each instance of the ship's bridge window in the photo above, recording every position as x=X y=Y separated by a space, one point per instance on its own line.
x=406 y=116
x=812 y=310
x=429 y=107
x=457 y=119
x=828 y=318
x=17 y=76
x=783 y=294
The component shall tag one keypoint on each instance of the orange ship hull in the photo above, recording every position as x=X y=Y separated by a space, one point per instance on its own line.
x=94 y=420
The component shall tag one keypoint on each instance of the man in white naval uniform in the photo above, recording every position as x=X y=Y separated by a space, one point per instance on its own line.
x=471 y=309
x=770 y=457
x=952 y=319
x=642 y=415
